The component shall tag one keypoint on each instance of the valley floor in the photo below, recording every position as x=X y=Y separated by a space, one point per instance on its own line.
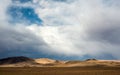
x=60 y=70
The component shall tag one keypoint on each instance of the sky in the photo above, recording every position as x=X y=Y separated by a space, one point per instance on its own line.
x=60 y=29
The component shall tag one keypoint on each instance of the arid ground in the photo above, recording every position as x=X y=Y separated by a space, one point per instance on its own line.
x=60 y=70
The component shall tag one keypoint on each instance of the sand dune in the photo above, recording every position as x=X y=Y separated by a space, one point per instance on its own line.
x=44 y=61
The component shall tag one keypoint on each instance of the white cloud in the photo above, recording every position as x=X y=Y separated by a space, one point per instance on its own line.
x=3 y=7
x=81 y=27
x=74 y=28
x=17 y=38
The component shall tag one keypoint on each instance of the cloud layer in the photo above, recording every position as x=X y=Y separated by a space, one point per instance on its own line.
x=71 y=28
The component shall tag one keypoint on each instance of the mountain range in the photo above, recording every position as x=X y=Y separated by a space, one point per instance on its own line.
x=22 y=61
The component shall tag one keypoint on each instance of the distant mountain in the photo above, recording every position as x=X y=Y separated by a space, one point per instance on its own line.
x=22 y=61
x=16 y=60
x=91 y=60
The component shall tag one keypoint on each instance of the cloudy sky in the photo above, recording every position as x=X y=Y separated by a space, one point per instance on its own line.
x=60 y=29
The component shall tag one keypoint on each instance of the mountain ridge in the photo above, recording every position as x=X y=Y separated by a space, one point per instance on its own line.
x=22 y=61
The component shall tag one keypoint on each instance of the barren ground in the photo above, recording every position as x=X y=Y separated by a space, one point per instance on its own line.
x=60 y=70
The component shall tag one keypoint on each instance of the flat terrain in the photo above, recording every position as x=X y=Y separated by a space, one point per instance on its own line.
x=96 y=70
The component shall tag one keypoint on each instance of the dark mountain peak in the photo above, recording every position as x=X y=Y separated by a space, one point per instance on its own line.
x=73 y=61
x=91 y=59
x=14 y=60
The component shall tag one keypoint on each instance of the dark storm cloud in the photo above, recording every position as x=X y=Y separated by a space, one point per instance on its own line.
x=110 y=35
x=13 y=37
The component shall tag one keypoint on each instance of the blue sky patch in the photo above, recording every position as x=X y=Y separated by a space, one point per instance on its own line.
x=20 y=14
x=21 y=1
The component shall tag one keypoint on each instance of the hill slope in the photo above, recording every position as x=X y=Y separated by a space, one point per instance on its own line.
x=21 y=60
x=45 y=62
